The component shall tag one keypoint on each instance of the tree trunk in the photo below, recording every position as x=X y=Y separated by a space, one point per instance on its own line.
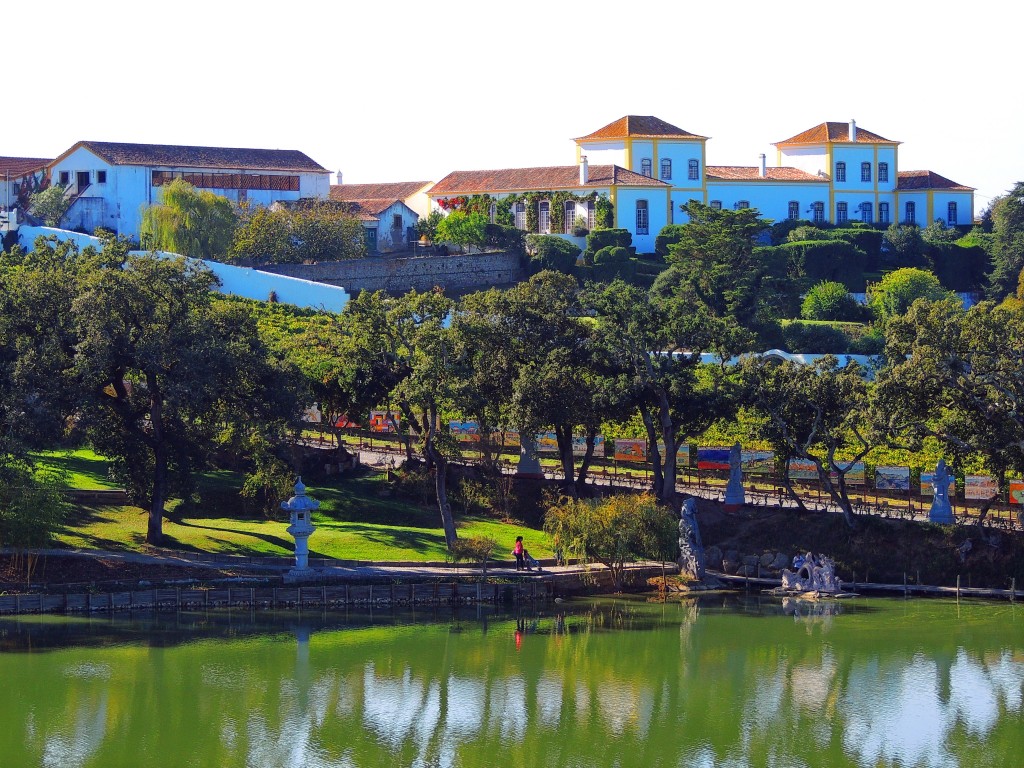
x=668 y=437
x=155 y=529
x=652 y=441
x=441 y=482
x=563 y=436
x=588 y=457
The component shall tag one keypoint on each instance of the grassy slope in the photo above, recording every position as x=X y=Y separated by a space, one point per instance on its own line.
x=357 y=520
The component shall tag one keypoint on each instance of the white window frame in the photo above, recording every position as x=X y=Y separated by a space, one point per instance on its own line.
x=883 y=173
x=544 y=217
x=951 y=213
x=643 y=218
x=591 y=214
x=520 y=215
x=646 y=168
x=840 y=172
x=883 y=213
x=693 y=170
x=865 y=172
x=866 y=212
x=666 y=169
x=818 y=212
x=910 y=212
x=794 y=210
x=568 y=216
x=842 y=212
x=740 y=205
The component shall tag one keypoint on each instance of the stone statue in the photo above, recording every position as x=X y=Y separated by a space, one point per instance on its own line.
x=941 y=510
x=691 y=550
x=813 y=574
x=734 y=495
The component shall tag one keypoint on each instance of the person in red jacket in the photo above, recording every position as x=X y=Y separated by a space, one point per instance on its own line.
x=520 y=552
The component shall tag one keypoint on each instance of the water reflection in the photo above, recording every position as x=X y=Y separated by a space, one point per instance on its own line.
x=701 y=682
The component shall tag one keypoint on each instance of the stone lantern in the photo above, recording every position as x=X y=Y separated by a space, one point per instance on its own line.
x=301 y=508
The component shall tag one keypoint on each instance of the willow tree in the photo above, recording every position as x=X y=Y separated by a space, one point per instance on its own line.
x=189 y=222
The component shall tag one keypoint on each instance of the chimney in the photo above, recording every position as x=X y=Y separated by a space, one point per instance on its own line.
x=339 y=177
x=764 y=166
x=853 y=130
x=584 y=171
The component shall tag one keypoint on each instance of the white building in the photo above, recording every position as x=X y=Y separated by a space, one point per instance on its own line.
x=111 y=183
x=646 y=168
x=389 y=224
x=412 y=193
x=19 y=178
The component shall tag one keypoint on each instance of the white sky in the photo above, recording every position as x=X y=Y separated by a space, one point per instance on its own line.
x=398 y=90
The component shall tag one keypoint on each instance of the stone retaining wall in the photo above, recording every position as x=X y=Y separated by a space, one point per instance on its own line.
x=398 y=275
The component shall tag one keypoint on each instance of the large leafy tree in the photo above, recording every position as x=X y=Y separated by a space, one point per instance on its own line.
x=1007 y=220
x=189 y=222
x=310 y=231
x=894 y=293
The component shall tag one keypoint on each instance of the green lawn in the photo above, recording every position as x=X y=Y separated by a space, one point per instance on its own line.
x=356 y=521
x=85 y=469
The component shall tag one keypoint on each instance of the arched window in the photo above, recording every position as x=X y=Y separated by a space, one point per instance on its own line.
x=865 y=171
x=492 y=213
x=794 y=209
x=693 y=174
x=819 y=212
x=520 y=215
x=645 y=167
x=591 y=214
x=841 y=213
x=951 y=214
x=865 y=212
x=642 y=219
x=883 y=208
x=666 y=169
x=911 y=214
x=883 y=173
x=840 y=171
x=544 y=217
x=741 y=204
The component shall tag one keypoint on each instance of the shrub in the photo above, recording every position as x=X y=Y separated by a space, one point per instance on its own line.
x=834 y=260
x=829 y=300
x=552 y=252
x=475 y=549
x=959 y=267
x=815 y=338
x=669 y=235
x=601 y=238
x=503 y=238
x=895 y=292
x=611 y=254
x=807 y=232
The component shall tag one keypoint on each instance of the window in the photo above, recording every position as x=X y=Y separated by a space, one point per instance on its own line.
x=396 y=221
x=840 y=171
x=818 y=210
x=671 y=212
x=794 y=209
x=694 y=171
x=841 y=213
x=911 y=214
x=666 y=169
x=865 y=171
x=492 y=213
x=716 y=204
x=570 y=216
x=64 y=178
x=591 y=214
x=951 y=214
x=645 y=167
x=642 y=221
x=240 y=181
x=101 y=177
x=740 y=204
x=865 y=212
x=883 y=208
x=520 y=215
x=544 y=217
x=883 y=173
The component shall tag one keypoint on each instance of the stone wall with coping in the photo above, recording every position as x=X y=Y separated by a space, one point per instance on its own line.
x=454 y=273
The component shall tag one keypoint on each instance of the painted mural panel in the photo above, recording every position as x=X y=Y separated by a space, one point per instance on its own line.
x=802 y=469
x=757 y=462
x=380 y=421
x=928 y=485
x=892 y=478
x=465 y=431
x=855 y=475
x=713 y=458
x=547 y=442
x=1017 y=491
x=682 y=454
x=980 y=487
x=631 y=450
x=579 y=445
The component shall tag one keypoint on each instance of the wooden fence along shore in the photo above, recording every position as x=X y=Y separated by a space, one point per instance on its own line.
x=339 y=595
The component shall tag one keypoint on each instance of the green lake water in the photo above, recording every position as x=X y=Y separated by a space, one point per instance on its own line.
x=721 y=681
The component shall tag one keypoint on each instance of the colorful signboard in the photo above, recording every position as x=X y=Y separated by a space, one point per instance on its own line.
x=757 y=462
x=713 y=458
x=547 y=442
x=579 y=445
x=381 y=421
x=1017 y=491
x=802 y=469
x=344 y=422
x=682 y=454
x=465 y=431
x=855 y=475
x=892 y=478
x=928 y=487
x=981 y=487
x=631 y=450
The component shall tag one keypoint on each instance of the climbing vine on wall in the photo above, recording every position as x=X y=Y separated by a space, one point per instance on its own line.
x=504 y=208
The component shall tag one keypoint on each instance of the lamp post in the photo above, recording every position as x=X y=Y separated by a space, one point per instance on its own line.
x=301 y=508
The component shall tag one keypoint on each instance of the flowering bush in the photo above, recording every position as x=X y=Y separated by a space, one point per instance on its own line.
x=451 y=203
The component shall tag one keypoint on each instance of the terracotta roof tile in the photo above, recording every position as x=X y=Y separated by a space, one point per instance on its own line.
x=375 y=206
x=752 y=173
x=825 y=132
x=20 y=166
x=399 y=190
x=908 y=180
x=550 y=177
x=639 y=126
x=201 y=157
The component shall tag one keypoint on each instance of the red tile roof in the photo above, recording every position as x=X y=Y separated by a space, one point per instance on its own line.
x=826 y=132
x=398 y=190
x=753 y=173
x=639 y=126
x=22 y=166
x=373 y=206
x=909 y=180
x=550 y=177
x=200 y=157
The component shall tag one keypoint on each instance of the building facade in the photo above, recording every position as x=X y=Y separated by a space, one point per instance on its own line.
x=109 y=184
x=646 y=168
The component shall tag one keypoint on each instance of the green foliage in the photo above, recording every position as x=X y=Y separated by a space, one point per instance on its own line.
x=669 y=235
x=959 y=267
x=505 y=238
x=32 y=506
x=427 y=227
x=810 y=262
x=1006 y=214
x=894 y=293
x=462 y=229
x=473 y=549
x=50 y=205
x=552 y=252
x=937 y=233
x=814 y=338
x=780 y=230
x=866 y=239
x=614 y=530
x=830 y=300
x=806 y=233
x=611 y=254
x=188 y=222
x=902 y=246
x=602 y=238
